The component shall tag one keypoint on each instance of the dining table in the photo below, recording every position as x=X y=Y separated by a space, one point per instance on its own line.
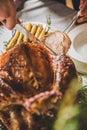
x=60 y=16
x=39 y=11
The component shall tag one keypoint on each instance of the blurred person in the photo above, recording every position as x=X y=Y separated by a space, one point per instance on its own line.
x=7 y=13
x=78 y=5
x=8 y=10
x=83 y=11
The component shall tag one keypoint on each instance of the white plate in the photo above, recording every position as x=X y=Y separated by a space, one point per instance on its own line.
x=78 y=49
x=5 y=34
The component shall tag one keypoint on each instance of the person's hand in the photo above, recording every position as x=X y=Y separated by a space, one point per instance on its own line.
x=83 y=11
x=7 y=13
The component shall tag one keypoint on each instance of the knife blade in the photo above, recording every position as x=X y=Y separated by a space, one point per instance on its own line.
x=26 y=32
x=32 y=37
x=67 y=29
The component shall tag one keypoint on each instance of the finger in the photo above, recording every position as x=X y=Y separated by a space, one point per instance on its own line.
x=83 y=8
x=4 y=13
x=81 y=3
x=82 y=19
x=10 y=23
x=8 y=14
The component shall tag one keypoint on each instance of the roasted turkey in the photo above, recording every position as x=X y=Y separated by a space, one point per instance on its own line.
x=32 y=81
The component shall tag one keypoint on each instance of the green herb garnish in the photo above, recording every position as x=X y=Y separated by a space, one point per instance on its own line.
x=48 y=23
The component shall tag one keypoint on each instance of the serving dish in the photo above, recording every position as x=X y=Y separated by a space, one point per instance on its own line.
x=78 y=49
x=6 y=35
x=16 y=58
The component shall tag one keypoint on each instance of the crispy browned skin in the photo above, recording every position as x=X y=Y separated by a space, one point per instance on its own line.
x=26 y=71
x=65 y=71
x=16 y=117
x=27 y=68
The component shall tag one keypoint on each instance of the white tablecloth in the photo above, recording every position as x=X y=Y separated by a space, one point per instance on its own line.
x=38 y=10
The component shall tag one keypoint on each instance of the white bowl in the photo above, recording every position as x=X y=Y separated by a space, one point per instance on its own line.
x=78 y=49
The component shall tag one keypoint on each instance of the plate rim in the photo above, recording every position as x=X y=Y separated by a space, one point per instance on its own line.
x=72 y=34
